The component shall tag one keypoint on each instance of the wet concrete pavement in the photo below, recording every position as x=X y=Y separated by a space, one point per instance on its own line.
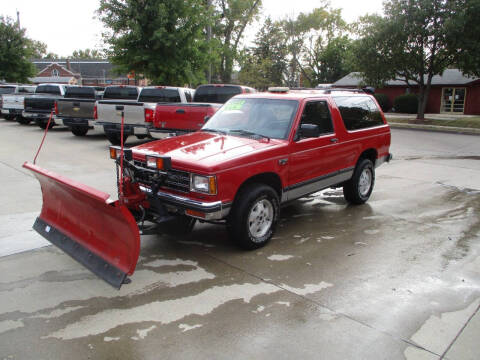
x=396 y=278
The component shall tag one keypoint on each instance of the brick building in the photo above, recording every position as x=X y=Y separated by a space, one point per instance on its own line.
x=79 y=72
x=452 y=92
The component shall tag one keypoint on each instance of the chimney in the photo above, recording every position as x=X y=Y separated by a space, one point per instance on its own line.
x=68 y=65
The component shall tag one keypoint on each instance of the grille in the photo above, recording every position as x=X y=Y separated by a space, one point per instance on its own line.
x=175 y=180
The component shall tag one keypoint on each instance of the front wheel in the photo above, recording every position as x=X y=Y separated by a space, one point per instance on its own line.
x=254 y=216
x=79 y=130
x=358 y=189
x=115 y=138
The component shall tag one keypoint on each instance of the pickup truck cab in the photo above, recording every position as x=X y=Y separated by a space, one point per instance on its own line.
x=172 y=119
x=139 y=114
x=39 y=106
x=260 y=151
x=12 y=102
x=77 y=109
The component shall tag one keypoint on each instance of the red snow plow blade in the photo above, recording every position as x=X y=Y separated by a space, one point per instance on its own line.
x=101 y=235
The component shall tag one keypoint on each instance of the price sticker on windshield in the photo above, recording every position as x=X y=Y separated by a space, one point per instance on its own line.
x=235 y=105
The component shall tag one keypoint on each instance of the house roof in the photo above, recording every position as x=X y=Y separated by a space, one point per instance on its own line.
x=51 y=79
x=449 y=77
x=88 y=69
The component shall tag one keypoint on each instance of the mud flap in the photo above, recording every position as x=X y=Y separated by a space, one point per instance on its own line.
x=100 y=234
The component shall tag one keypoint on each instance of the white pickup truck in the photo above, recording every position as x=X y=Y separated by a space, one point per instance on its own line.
x=12 y=102
x=138 y=114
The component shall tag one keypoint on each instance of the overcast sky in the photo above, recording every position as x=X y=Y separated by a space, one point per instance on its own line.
x=67 y=25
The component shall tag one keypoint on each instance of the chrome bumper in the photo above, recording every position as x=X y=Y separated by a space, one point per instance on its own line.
x=214 y=210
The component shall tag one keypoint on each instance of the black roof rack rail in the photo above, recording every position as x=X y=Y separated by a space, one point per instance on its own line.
x=330 y=89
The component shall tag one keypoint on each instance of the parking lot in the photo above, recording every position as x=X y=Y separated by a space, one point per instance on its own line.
x=398 y=277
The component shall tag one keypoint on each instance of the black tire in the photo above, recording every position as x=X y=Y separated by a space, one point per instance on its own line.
x=358 y=189
x=9 y=117
x=141 y=137
x=181 y=226
x=23 y=121
x=43 y=124
x=114 y=138
x=252 y=198
x=79 y=130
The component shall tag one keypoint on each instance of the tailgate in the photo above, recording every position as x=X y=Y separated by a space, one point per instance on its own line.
x=111 y=112
x=76 y=108
x=189 y=117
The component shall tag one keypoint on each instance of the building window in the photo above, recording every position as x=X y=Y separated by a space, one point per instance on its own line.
x=55 y=73
x=453 y=100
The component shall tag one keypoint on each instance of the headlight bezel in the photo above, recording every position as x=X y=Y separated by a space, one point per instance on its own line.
x=208 y=182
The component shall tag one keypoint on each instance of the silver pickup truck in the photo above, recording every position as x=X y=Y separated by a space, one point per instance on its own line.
x=138 y=114
x=12 y=103
x=77 y=109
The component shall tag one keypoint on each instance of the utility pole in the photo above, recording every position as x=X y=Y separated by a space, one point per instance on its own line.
x=209 y=37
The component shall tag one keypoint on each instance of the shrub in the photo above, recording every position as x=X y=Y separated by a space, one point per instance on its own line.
x=407 y=103
x=383 y=101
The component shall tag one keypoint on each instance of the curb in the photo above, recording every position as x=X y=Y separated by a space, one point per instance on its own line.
x=436 y=128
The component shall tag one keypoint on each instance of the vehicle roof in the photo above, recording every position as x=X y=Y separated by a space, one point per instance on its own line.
x=220 y=85
x=44 y=84
x=300 y=94
x=166 y=87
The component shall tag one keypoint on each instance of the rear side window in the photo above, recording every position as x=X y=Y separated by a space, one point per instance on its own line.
x=48 y=89
x=159 y=95
x=26 y=90
x=215 y=94
x=188 y=96
x=7 y=90
x=358 y=112
x=123 y=93
x=80 y=92
x=317 y=113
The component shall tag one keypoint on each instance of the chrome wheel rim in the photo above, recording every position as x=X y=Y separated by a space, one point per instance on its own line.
x=260 y=219
x=365 y=181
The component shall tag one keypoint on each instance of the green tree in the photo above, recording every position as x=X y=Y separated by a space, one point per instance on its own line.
x=231 y=19
x=265 y=64
x=15 y=52
x=38 y=49
x=87 y=54
x=417 y=39
x=162 y=40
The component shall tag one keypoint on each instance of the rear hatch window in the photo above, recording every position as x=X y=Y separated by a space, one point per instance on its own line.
x=215 y=94
x=48 y=89
x=159 y=95
x=120 y=92
x=80 y=93
x=7 y=89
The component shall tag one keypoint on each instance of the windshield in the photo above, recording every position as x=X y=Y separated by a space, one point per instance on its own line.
x=47 y=89
x=7 y=90
x=215 y=93
x=120 y=93
x=159 y=95
x=249 y=117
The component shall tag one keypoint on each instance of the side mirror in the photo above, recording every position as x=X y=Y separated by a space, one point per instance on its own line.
x=206 y=118
x=309 y=131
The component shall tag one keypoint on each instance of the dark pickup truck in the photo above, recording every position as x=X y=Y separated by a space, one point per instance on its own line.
x=39 y=106
x=175 y=119
x=77 y=109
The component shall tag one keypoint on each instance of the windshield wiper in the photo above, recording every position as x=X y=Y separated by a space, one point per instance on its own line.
x=247 y=133
x=223 y=132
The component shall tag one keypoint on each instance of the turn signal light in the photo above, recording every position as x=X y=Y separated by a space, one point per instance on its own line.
x=95 y=114
x=195 y=213
x=56 y=108
x=149 y=115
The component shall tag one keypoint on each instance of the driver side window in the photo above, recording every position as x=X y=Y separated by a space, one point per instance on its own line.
x=317 y=113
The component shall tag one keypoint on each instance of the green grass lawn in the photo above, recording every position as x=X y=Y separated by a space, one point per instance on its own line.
x=470 y=122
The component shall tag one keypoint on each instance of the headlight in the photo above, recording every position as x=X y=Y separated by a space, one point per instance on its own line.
x=158 y=162
x=204 y=184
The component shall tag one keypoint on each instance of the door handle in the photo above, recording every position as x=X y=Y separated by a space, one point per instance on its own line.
x=333 y=140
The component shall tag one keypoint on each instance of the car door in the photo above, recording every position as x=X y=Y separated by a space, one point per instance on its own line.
x=314 y=163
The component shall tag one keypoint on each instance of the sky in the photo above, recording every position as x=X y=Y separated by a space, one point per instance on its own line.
x=68 y=25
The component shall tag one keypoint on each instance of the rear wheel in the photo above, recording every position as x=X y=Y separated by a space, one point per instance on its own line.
x=22 y=120
x=254 y=216
x=115 y=138
x=9 y=117
x=79 y=130
x=43 y=124
x=358 y=189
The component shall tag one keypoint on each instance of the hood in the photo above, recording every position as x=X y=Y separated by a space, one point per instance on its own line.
x=205 y=151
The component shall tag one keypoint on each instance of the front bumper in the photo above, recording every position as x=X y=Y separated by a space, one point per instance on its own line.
x=211 y=210
x=128 y=129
